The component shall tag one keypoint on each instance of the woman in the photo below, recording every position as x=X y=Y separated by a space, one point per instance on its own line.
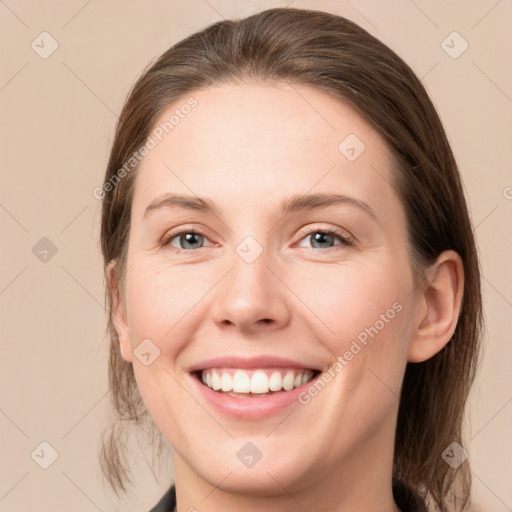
x=292 y=276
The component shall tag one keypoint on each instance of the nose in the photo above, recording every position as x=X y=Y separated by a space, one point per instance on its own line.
x=251 y=298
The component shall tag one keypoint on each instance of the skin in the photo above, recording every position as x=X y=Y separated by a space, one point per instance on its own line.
x=247 y=148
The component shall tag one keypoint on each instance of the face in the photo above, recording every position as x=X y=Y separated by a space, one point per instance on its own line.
x=282 y=280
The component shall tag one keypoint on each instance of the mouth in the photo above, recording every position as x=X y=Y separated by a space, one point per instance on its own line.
x=251 y=388
x=254 y=382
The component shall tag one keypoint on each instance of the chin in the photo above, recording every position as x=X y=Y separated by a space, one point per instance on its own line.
x=239 y=467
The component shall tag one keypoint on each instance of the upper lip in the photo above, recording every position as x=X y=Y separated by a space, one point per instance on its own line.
x=249 y=362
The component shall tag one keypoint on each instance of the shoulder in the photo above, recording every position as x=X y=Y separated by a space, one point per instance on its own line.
x=167 y=503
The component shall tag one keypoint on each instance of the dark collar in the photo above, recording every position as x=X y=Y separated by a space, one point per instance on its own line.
x=167 y=503
x=406 y=499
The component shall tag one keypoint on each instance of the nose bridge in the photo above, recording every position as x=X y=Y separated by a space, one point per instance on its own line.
x=251 y=295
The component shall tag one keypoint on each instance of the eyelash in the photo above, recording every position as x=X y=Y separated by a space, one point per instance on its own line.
x=345 y=241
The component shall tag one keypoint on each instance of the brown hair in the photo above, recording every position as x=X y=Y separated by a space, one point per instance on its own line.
x=332 y=54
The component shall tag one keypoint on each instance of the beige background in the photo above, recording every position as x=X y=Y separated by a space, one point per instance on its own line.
x=57 y=122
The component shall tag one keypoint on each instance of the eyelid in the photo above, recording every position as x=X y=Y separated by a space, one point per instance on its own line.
x=345 y=237
x=170 y=235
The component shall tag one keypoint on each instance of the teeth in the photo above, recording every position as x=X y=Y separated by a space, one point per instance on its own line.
x=288 y=381
x=241 y=382
x=275 y=382
x=226 y=382
x=258 y=381
x=215 y=381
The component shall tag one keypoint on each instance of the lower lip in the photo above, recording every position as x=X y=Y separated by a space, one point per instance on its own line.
x=251 y=408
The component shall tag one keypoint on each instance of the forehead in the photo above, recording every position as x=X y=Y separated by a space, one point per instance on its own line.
x=264 y=140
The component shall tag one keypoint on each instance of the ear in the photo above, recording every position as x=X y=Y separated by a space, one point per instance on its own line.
x=119 y=314
x=438 y=307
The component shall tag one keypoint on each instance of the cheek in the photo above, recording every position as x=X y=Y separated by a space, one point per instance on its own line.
x=363 y=314
x=160 y=300
x=343 y=300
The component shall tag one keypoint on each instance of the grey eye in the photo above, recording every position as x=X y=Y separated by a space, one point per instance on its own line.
x=321 y=238
x=188 y=240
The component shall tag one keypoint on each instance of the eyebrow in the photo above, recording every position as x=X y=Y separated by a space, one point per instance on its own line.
x=293 y=204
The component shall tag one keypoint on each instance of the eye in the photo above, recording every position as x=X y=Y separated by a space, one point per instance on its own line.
x=185 y=240
x=191 y=240
x=325 y=238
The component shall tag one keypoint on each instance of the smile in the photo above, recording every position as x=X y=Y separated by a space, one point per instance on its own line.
x=255 y=382
x=251 y=388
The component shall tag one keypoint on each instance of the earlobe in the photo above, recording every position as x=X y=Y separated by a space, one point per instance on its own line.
x=118 y=314
x=441 y=299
